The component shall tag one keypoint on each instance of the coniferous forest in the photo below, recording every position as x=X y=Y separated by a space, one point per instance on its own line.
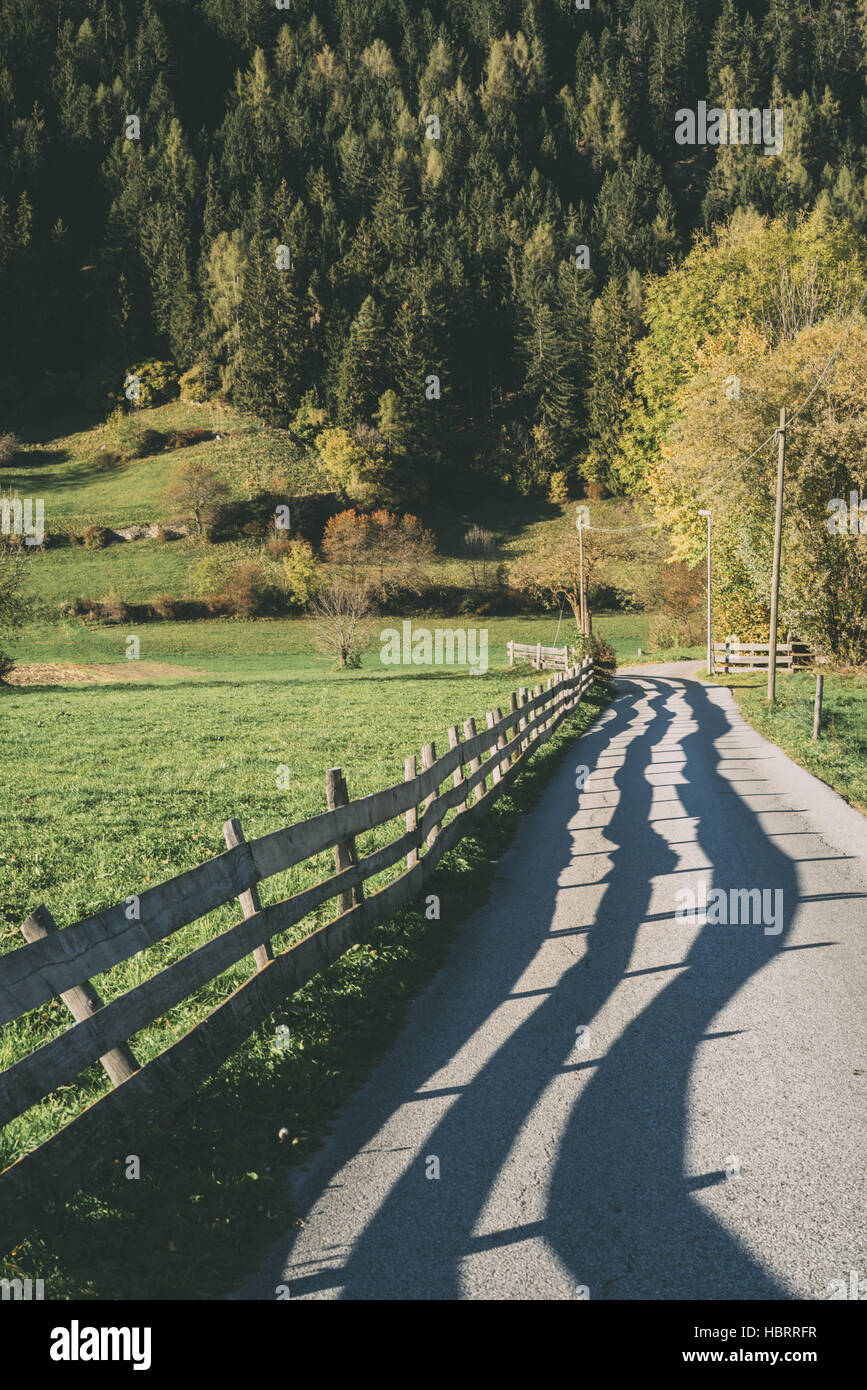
x=372 y=214
x=433 y=498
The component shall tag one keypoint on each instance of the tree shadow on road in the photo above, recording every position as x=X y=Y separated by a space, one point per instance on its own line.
x=619 y=1213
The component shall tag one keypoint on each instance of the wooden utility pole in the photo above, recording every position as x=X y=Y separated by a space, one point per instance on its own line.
x=778 y=545
x=817 y=706
x=709 y=651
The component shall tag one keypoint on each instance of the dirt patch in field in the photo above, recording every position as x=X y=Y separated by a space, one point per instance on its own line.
x=63 y=673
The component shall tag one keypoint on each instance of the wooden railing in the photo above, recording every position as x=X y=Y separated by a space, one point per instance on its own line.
x=543 y=658
x=479 y=767
x=733 y=655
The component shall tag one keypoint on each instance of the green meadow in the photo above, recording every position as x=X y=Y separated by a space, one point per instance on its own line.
x=109 y=789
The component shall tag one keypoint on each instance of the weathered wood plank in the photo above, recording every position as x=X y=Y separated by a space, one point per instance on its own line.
x=491 y=720
x=345 y=854
x=412 y=813
x=44 y=969
x=249 y=901
x=428 y=760
x=454 y=742
x=83 y=1001
x=470 y=756
x=501 y=742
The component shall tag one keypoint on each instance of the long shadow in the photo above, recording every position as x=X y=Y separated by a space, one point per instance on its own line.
x=619 y=1214
x=436 y=1219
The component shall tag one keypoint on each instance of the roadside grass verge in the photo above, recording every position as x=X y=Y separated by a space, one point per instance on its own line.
x=119 y=787
x=839 y=755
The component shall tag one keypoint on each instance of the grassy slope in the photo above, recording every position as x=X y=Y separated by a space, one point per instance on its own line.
x=839 y=756
x=79 y=491
x=141 y=779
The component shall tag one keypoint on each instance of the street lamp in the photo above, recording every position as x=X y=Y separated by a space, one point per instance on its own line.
x=707 y=514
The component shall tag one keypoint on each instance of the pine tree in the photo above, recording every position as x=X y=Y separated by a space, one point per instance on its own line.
x=360 y=380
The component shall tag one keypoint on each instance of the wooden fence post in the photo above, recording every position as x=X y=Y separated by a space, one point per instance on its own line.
x=522 y=723
x=817 y=706
x=82 y=1001
x=428 y=758
x=497 y=773
x=513 y=709
x=475 y=763
x=511 y=653
x=536 y=735
x=501 y=743
x=344 y=851
x=538 y=661
x=409 y=775
x=249 y=900
x=454 y=742
x=567 y=693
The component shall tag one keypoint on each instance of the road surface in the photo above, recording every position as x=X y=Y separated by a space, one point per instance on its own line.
x=703 y=1136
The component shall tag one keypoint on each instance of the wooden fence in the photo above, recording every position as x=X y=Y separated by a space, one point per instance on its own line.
x=543 y=658
x=733 y=655
x=478 y=767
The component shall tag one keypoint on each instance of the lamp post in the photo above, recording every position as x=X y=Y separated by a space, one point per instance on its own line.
x=707 y=514
x=579 y=522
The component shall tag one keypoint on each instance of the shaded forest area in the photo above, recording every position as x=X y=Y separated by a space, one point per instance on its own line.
x=412 y=247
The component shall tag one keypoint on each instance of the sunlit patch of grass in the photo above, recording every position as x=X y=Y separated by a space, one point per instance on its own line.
x=115 y=788
x=839 y=755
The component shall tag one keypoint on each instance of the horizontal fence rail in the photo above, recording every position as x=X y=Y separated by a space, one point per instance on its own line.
x=543 y=658
x=60 y=963
x=732 y=655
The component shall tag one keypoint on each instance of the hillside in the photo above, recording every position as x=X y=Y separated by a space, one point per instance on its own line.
x=379 y=209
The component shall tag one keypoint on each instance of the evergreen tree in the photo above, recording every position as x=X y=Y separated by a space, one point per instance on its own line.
x=360 y=380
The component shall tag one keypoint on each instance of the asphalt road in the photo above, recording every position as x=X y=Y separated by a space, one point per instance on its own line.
x=704 y=1136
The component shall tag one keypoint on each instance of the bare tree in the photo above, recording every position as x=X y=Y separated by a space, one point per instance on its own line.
x=802 y=298
x=196 y=488
x=480 y=546
x=551 y=571
x=339 y=616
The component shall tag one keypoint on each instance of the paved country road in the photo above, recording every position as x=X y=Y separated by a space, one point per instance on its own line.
x=598 y=1161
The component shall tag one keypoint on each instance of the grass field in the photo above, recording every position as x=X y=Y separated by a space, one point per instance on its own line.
x=109 y=789
x=285 y=643
x=839 y=755
x=81 y=490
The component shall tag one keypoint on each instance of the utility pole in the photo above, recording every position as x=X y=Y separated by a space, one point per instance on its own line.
x=709 y=655
x=585 y=626
x=817 y=706
x=778 y=546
